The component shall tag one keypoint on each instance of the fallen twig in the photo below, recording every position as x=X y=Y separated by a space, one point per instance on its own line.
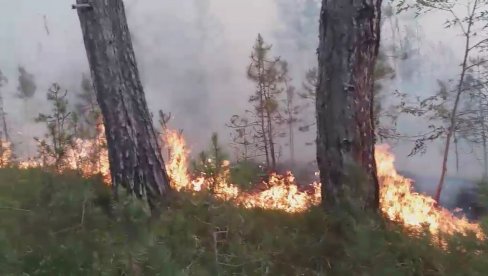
x=15 y=209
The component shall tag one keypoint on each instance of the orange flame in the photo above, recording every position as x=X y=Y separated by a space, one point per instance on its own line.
x=5 y=153
x=90 y=157
x=398 y=201
x=176 y=166
x=282 y=194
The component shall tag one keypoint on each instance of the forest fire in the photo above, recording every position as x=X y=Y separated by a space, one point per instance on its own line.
x=89 y=156
x=5 y=153
x=398 y=201
x=401 y=204
x=280 y=192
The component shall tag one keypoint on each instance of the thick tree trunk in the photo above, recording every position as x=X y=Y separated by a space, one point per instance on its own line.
x=349 y=41
x=135 y=159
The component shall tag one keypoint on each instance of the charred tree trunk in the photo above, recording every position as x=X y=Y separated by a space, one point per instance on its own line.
x=349 y=42
x=135 y=159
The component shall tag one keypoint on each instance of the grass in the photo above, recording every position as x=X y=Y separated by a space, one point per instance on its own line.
x=66 y=225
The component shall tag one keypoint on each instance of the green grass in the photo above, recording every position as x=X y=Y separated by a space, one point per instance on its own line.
x=65 y=225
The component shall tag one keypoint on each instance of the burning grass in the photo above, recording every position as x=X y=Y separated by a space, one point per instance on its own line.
x=398 y=201
x=67 y=225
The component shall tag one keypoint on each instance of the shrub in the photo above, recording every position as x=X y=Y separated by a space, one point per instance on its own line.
x=66 y=225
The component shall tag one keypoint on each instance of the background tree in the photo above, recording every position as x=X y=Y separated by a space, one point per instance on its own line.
x=89 y=124
x=448 y=101
x=5 y=144
x=211 y=163
x=3 y=115
x=61 y=130
x=87 y=109
x=242 y=138
x=265 y=117
x=264 y=72
x=385 y=121
x=27 y=87
x=349 y=42
x=291 y=110
x=472 y=125
x=308 y=93
x=135 y=158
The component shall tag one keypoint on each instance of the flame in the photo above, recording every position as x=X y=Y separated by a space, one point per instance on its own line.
x=283 y=194
x=5 y=153
x=177 y=165
x=279 y=193
x=398 y=201
x=89 y=156
x=401 y=204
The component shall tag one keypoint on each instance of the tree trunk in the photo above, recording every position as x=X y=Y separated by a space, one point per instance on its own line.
x=483 y=138
x=136 y=162
x=272 y=151
x=291 y=138
x=263 y=127
x=453 y=116
x=4 y=120
x=349 y=42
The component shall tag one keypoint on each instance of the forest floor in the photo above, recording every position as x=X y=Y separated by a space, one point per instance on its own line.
x=67 y=225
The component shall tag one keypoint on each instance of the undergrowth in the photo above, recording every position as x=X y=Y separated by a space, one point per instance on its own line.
x=66 y=225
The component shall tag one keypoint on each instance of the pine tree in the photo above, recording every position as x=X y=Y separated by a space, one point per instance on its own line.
x=61 y=130
x=265 y=116
x=446 y=106
x=212 y=163
x=136 y=162
x=3 y=114
x=27 y=87
x=349 y=43
x=291 y=111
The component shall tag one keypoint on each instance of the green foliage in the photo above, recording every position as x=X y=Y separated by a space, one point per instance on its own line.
x=261 y=123
x=61 y=126
x=64 y=225
x=245 y=174
x=211 y=162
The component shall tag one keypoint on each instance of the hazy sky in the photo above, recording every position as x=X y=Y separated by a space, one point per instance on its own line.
x=193 y=54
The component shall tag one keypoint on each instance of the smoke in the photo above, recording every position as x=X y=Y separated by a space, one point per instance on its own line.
x=192 y=57
x=432 y=53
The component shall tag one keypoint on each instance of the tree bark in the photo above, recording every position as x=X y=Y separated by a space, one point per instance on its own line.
x=349 y=42
x=135 y=160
